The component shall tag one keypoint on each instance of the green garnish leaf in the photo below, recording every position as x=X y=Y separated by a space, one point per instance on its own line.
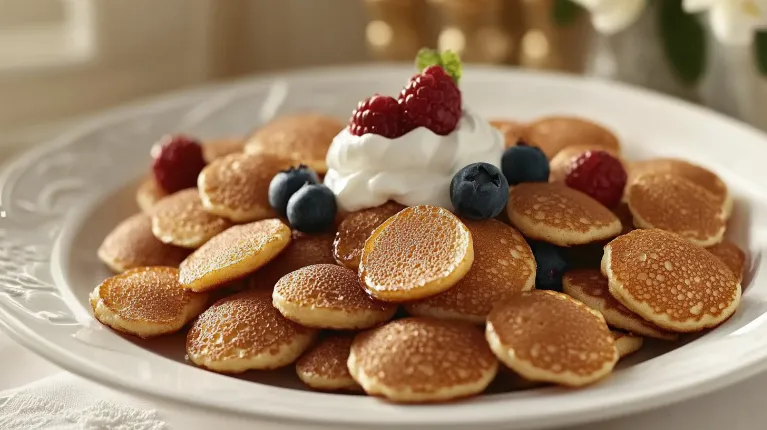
x=448 y=60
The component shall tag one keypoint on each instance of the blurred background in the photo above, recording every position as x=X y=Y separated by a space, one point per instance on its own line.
x=62 y=59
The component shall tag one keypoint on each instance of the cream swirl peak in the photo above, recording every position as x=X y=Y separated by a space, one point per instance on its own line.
x=414 y=169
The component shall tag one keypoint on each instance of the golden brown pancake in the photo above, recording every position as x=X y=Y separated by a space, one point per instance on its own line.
x=554 y=133
x=550 y=337
x=304 y=250
x=626 y=343
x=554 y=213
x=217 y=148
x=180 y=220
x=692 y=172
x=328 y=296
x=418 y=253
x=146 y=302
x=421 y=359
x=590 y=287
x=236 y=186
x=732 y=256
x=244 y=332
x=503 y=265
x=302 y=138
x=131 y=244
x=669 y=281
x=324 y=366
x=673 y=203
x=237 y=252
x=148 y=193
x=355 y=229
x=512 y=130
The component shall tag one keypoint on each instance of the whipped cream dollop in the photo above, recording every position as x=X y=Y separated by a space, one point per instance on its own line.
x=414 y=169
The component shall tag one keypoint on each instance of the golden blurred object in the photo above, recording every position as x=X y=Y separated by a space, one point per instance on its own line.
x=549 y=45
x=475 y=29
x=395 y=30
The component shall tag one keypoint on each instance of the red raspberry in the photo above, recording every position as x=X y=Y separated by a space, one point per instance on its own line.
x=177 y=162
x=598 y=174
x=378 y=115
x=432 y=100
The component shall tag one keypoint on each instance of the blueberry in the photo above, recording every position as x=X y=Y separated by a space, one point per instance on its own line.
x=286 y=183
x=479 y=191
x=551 y=264
x=524 y=163
x=312 y=208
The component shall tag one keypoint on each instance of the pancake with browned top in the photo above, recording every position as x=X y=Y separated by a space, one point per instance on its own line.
x=237 y=252
x=355 y=229
x=131 y=244
x=591 y=287
x=550 y=337
x=221 y=147
x=304 y=250
x=324 y=366
x=148 y=193
x=670 y=281
x=671 y=202
x=554 y=213
x=503 y=265
x=179 y=219
x=627 y=343
x=236 y=186
x=328 y=296
x=732 y=256
x=245 y=332
x=419 y=252
x=146 y=302
x=512 y=131
x=553 y=134
x=302 y=138
x=421 y=359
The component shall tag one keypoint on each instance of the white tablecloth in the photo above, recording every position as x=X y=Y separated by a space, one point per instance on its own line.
x=741 y=407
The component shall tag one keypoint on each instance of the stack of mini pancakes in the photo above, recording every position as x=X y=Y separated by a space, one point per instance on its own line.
x=416 y=304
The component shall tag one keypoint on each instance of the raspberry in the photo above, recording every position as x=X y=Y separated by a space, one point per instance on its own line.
x=598 y=174
x=177 y=162
x=380 y=115
x=432 y=100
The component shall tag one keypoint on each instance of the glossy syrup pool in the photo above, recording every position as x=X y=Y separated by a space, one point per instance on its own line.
x=83 y=271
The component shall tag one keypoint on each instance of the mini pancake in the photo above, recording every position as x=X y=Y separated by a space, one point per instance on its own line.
x=671 y=202
x=301 y=138
x=418 y=253
x=238 y=251
x=559 y=215
x=328 y=296
x=131 y=244
x=732 y=256
x=512 y=130
x=236 y=186
x=669 y=281
x=304 y=250
x=148 y=193
x=146 y=302
x=561 y=162
x=554 y=133
x=550 y=337
x=355 y=229
x=692 y=172
x=591 y=288
x=324 y=366
x=421 y=359
x=503 y=265
x=217 y=148
x=245 y=332
x=180 y=220
x=626 y=343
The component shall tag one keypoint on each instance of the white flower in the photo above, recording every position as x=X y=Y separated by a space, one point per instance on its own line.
x=732 y=21
x=612 y=16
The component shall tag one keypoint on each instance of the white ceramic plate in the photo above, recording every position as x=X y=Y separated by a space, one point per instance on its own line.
x=58 y=201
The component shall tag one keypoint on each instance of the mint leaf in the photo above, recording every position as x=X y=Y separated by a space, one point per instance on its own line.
x=427 y=57
x=451 y=62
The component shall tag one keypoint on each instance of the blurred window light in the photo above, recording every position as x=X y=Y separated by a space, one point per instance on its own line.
x=35 y=34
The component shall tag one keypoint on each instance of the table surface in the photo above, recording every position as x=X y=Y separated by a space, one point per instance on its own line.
x=739 y=407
